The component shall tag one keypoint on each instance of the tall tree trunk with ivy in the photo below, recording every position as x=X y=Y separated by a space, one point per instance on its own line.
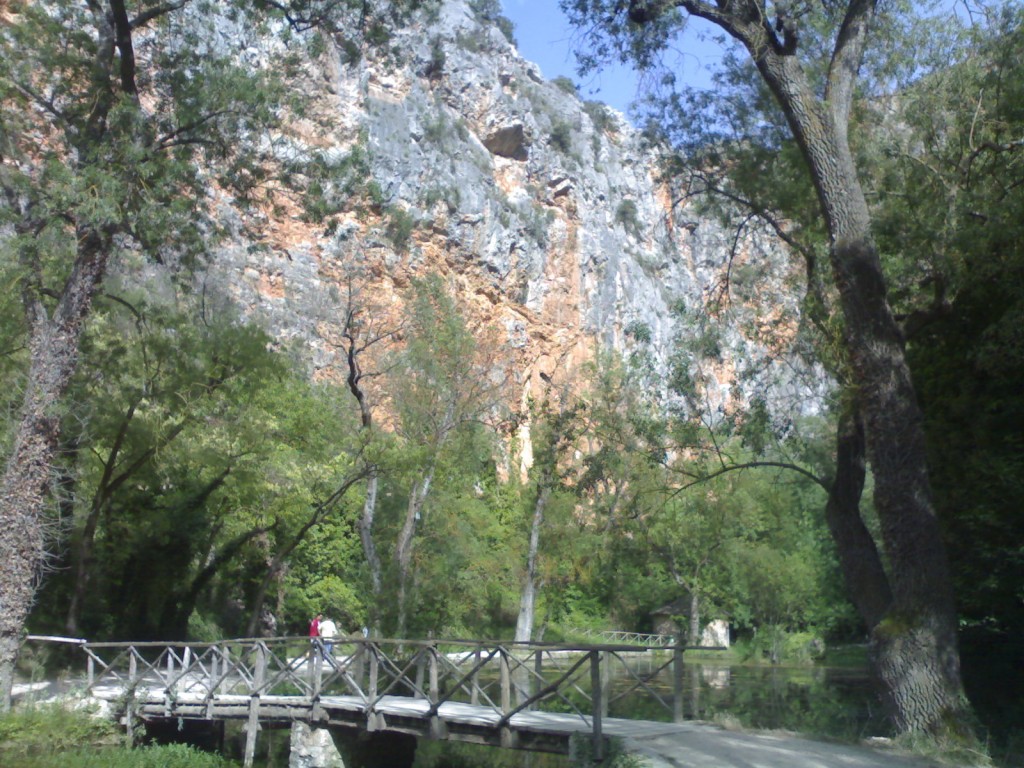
x=25 y=493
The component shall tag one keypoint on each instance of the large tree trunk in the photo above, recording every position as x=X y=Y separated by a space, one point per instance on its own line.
x=695 y=633
x=528 y=597
x=370 y=549
x=915 y=642
x=866 y=582
x=403 y=549
x=28 y=477
x=355 y=376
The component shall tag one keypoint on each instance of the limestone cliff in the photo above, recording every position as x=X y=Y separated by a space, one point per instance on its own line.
x=545 y=213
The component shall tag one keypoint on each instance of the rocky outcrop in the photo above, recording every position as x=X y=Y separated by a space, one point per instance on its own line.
x=545 y=213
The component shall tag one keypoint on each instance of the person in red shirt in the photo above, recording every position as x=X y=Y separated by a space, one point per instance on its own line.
x=314 y=635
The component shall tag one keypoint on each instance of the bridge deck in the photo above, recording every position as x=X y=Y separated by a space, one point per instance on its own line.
x=537 y=731
x=481 y=692
x=663 y=745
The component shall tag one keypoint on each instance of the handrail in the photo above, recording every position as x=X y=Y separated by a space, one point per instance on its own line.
x=506 y=678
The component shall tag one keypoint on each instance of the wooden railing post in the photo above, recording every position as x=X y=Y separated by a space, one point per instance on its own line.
x=253 y=725
x=434 y=693
x=418 y=682
x=226 y=659
x=318 y=670
x=474 y=696
x=371 y=688
x=677 y=683
x=129 y=709
x=436 y=725
x=507 y=737
x=597 y=699
x=359 y=672
x=538 y=680
x=506 y=682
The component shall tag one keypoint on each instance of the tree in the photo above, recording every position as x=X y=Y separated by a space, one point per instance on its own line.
x=99 y=133
x=809 y=58
x=114 y=128
x=554 y=425
x=149 y=376
x=446 y=378
x=364 y=326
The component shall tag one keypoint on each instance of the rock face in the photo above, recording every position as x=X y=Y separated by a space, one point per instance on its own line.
x=544 y=213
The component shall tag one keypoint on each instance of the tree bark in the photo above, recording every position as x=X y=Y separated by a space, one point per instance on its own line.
x=694 y=638
x=25 y=492
x=528 y=597
x=403 y=549
x=866 y=581
x=915 y=643
x=366 y=522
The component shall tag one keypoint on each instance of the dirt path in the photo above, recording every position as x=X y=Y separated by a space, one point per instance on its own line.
x=697 y=745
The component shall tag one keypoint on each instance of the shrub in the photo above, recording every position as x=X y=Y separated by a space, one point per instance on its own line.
x=639 y=330
x=490 y=11
x=599 y=116
x=399 y=227
x=53 y=736
x=47 y=729
x=627 y=215
x=565 y=83
x=561 y=137
x=163 y=756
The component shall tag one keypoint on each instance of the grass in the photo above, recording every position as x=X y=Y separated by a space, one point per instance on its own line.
x=53 y=736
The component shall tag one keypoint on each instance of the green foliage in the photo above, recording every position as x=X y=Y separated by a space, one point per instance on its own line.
x=490 y=11
x=561 y=137
x=565 y=84
x=431 y=753
x=438 y=57
x=57 y=737
x=627 y=216
x=47 y=730
x=538 y=223
x=166 y=756
x=450 y=196
x=960 y=267
x=333 y=185
x=599 y=116
x=399 y=227
x=639 y=331
x=615 y=756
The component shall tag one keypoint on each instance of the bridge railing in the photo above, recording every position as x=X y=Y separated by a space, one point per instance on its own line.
x=584 y=680
x=631 y=638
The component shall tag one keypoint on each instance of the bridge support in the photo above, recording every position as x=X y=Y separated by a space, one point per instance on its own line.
x=313 y=748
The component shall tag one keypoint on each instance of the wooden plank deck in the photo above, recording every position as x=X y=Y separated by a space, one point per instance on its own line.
x=660 y=745
x=448 y=697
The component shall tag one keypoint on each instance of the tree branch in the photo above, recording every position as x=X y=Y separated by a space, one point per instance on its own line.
x=846 y=59
x=726 y=468
x=159 y=10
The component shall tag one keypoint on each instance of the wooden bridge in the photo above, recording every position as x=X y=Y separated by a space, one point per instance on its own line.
x=532 y=696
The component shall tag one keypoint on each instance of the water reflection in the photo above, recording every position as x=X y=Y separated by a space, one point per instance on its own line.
x=831 y=702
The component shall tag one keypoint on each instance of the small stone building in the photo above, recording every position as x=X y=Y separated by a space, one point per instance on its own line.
x=671 y=619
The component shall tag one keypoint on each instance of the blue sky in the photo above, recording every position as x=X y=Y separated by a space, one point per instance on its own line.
x=544 y=37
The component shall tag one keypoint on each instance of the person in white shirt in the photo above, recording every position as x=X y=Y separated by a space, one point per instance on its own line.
x=328 y=631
